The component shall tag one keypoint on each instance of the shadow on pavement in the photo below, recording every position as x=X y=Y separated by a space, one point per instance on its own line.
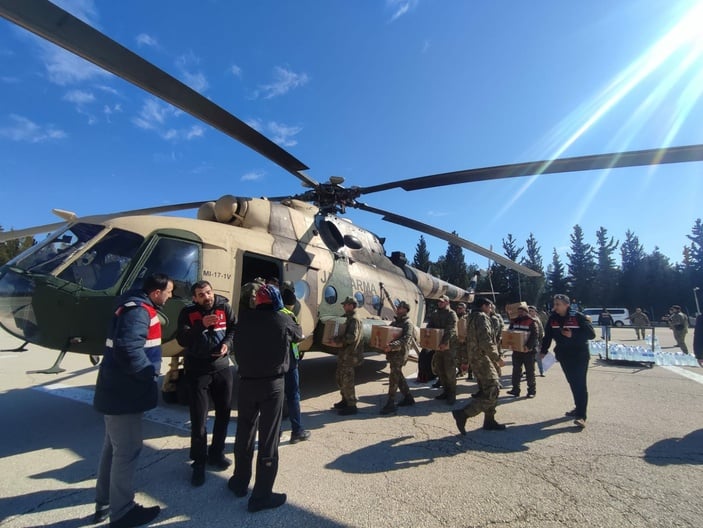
x=687 y=450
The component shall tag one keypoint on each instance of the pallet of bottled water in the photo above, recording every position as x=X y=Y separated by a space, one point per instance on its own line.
x=651 y=352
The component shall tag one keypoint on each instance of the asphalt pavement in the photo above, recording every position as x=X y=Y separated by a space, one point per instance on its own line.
x=639 y=461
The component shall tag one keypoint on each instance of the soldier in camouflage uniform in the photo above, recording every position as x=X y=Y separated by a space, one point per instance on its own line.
x=483 y=355
x=640 y=321
x=397 y=354
x=532 y=310
x=348 y=358
x=445 y=318
x=678 y=322
x=462 y=357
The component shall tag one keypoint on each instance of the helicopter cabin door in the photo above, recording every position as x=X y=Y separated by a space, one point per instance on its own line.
x=181 y=260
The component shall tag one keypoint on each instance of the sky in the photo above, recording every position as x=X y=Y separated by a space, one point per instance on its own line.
x=373 y=91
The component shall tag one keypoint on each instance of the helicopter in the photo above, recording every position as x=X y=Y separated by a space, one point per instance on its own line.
x=60 y=293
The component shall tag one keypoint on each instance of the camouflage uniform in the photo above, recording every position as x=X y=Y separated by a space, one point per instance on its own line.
x=497 y=327
x=444 y=362
x=640 y=321
x=679 y=324
x=462 y=356
x=398 y=356
x=483 y=355
x=540 y=336
x=349 y=357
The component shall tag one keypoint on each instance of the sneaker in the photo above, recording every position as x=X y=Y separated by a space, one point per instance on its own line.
x=238 y=488
x=531 y=395
x=102 y=512
x=348 y=410
x=513 y=393
x=300 y=436
x=460 y=419
x=137 y=516
x=406 y=401
x=341 y=404
x=580 y=422
x=570 y=413
x=198 y=478
x=274 y=501
x=220 y=463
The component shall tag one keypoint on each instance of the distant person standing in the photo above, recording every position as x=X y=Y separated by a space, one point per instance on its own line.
x=205 y=331
x=348 y=358
x=262 y=339
x=571 y=331
x=462 y=357
x=126 y=387
x=397 y=354
x=678 y=322
x=640 y=321
x=292 y=378
x=532 y=310
x=445 y=319
x=605 y=321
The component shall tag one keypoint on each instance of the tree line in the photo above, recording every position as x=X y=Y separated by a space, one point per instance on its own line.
x=605 y=273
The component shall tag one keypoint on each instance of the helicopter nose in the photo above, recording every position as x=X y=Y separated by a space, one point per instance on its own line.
x=16 y=312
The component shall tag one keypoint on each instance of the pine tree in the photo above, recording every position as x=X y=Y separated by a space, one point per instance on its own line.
x=557 y=281
x=533 y=287
x=11 y=248
x=605 y=287
x=421 y=260
x=582 y=268
x=454 y=266
x=695 y=250
x=507 y=281
x=632 y=256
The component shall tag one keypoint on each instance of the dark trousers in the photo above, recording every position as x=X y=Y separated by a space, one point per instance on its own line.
x=260 y=406
x=292 y=383
x=526 y=359
x=424 y=365
x=219 y=386
x=575 y=369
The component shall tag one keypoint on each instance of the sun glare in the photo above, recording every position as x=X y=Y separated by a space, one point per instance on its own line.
x=677 y=57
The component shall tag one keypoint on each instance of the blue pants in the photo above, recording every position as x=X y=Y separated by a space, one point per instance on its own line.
x=292 y=381
x=575 y=369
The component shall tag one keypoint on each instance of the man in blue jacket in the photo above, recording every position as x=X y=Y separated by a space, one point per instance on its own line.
x=205 y=330
x=127 y=387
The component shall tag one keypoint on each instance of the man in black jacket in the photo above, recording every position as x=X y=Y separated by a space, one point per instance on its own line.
x=205 y=330
x=262 y=341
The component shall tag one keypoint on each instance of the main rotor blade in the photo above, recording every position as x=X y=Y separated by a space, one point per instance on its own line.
x=56 y=25
x=575 y=164
x=47 y=228
x=449 y=237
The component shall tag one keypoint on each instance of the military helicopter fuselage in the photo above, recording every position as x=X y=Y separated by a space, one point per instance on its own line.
x=60 y=293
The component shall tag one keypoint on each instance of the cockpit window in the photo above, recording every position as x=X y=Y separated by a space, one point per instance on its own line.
x=101 y=266
x=179 y=259
x=55 y=249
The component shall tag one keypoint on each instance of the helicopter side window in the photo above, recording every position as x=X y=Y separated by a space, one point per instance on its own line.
x=359 y=298
x=101 y=266
x=179 y=259
x=330 y=295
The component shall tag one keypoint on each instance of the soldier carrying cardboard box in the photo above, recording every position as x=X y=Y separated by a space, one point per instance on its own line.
x=397 y=353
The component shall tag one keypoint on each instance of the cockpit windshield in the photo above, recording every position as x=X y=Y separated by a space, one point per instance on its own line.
x=56 y=248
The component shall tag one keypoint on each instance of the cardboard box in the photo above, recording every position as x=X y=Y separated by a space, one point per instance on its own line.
x=381 y=335
x=430 y=338
x=461 y=329
x=513 y=340
x=333 y=329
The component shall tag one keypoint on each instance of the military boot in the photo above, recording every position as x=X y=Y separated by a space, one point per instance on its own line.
x=406 y=401
x=341 y=404
x=389 y=407
x=460 y=419
x=490 y=424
